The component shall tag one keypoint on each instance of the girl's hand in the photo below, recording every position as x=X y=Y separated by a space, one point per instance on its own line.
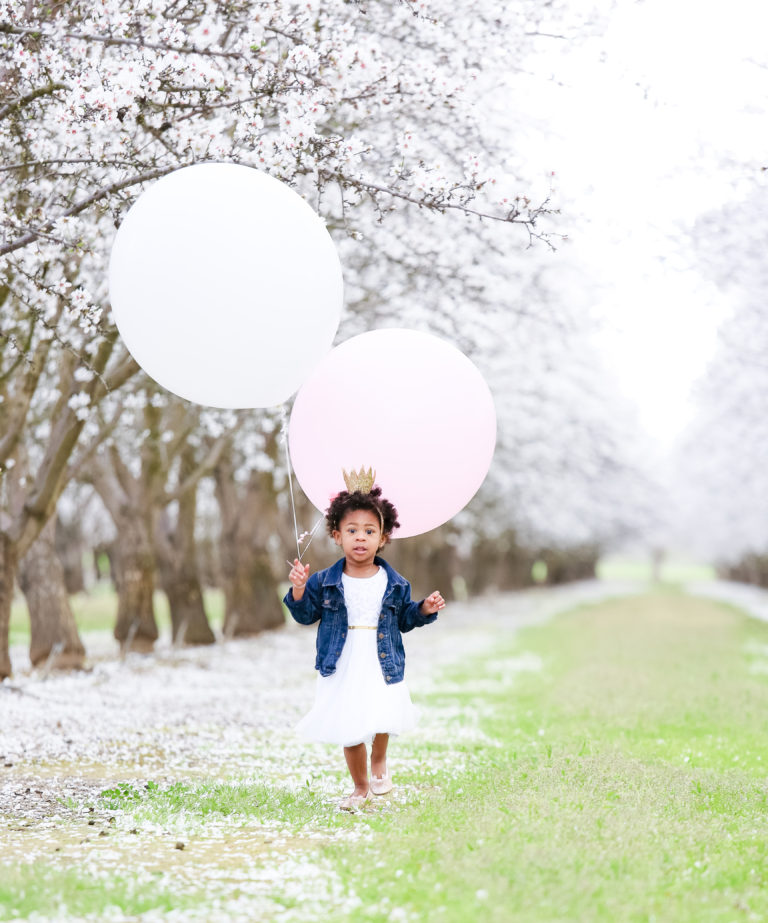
x=433 y=603
x=298 y=576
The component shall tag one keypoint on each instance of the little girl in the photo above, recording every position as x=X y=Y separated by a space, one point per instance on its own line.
x=363 y=606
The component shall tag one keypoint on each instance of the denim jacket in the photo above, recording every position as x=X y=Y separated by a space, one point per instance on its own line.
x=323 y=600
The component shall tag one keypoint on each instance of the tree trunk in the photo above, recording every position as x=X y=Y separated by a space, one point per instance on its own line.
x=208 y=563
x=565 y=565
x=136 y=628
x=428 y=563
x=103 y=557
x=515 y=563
x=132 y=556
x=53 y=628
x=252 y=603
x=189 y=622
x=482 y=569
x=250 y=588
x=8 y=564
x=440 y=568
x=70 y=549
x=178 y=565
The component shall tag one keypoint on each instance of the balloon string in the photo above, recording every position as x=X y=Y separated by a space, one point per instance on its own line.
x=311 y=536
x=290 y=481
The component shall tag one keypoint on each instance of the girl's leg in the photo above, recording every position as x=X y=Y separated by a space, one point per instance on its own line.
x=379 y=755
x=357 y=763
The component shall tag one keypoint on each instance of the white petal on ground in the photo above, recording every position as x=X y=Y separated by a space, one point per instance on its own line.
x=226 y=713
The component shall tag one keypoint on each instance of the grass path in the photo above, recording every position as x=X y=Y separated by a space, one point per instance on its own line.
x=624 y=781
x=608 y=765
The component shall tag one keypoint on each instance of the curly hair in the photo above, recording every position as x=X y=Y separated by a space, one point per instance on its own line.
x=346 y=502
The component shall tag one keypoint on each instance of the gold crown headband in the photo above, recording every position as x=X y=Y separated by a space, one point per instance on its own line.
x=362 y=482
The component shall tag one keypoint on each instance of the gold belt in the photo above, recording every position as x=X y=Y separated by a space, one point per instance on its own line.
x=371 y=627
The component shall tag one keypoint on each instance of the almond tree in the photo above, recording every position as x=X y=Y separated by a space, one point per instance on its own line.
x=65 y=396
x=54 y=638
x=180 y=444
x=721 y=474
x=353 y=105
x=367 y=110
x=572 y=463
x=247 y=499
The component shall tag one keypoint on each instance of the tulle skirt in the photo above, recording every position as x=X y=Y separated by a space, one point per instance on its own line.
x=354 y=704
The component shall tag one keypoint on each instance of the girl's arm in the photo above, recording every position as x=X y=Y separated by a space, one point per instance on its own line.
x=433 y=603
x=413 y=615
x=298 y=576
x=301 y=599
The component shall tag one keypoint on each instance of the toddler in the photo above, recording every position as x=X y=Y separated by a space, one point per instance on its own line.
x=363 y=606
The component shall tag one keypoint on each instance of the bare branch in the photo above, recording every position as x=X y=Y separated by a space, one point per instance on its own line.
x=115 y=379
x=436 y=203
x=65 y=161
x=206 y=466
x=22 y=400
x=34 y=234
x=106 y=429
x=40 y=34
x=30 y=97
x=49 y=481
x=126 y=480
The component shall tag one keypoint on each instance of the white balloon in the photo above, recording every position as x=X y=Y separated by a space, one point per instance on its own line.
x=225 y=285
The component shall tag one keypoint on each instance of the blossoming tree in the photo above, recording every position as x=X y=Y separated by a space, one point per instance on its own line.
x=721 y=463
x=364 y=109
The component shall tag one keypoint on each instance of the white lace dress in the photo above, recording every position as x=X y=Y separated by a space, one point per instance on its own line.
x=354 y=704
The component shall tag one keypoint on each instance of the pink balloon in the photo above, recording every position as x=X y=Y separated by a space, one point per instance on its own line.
x=407 y=404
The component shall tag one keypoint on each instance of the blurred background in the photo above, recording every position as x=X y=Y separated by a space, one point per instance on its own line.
x=572 y=193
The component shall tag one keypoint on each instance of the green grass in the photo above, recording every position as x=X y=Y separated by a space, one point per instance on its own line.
x=268 y=805
x=50 y=891
x=673 y=570
x=626 y=782
x=97 y=611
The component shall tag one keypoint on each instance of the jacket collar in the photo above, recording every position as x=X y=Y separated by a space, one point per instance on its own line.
x=334 y=572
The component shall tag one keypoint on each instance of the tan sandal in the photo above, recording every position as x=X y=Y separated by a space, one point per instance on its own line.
x=380 y=785
x=354 y=802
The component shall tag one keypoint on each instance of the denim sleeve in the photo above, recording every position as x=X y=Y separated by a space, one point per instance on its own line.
x=409 y=615
x=305 y=611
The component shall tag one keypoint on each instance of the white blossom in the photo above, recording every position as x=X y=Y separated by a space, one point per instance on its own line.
x=79 y=404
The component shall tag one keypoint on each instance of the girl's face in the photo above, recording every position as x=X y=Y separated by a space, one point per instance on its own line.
x=359 y=535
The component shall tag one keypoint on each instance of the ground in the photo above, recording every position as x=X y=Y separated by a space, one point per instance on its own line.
x=553 y=757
